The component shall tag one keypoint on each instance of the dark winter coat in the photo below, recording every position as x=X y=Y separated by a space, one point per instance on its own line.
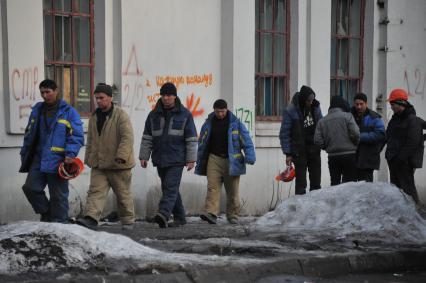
x=238 y=140
x=372 y=138
x=405 y=138
x=64 y=138
x=171 y=139
x=292 y=136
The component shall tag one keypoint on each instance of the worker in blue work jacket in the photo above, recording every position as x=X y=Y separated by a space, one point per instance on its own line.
x=54 y=135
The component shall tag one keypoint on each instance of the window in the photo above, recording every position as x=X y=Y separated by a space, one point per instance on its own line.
x=272 y=57
x=68 y=49
x=347 y=38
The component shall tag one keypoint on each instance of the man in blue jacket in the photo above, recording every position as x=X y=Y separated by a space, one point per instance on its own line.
x=221 y=141
x=54 y=134
x=298 y=126
x=171 y=137
x=372 y=138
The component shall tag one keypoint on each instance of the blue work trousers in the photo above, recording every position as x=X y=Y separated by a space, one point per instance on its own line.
x=171 y=202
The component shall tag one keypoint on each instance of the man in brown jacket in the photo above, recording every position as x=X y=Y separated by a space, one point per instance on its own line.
x=109 y=152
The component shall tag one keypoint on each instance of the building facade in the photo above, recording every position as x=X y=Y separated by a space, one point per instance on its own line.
x=253 y=53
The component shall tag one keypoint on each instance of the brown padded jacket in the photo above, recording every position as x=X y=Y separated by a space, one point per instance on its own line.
x=115 y=142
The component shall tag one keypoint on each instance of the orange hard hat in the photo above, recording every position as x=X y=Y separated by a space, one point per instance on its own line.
x=397 y=94
x=287 y=175
x=71 y=170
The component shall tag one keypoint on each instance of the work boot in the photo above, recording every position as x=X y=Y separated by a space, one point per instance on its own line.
x=233 y=220
x=45 y=217
x=161 y=220
x=88 y=222
x=177 y=223
x=209 y=217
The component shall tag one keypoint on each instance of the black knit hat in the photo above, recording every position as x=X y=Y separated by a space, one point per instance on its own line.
x=339 y=102
x=168 y=89
x=361 y=96
x=103 y=87
x=220 y=104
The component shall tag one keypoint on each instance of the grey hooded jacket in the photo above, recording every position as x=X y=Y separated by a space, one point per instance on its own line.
x=337 y=133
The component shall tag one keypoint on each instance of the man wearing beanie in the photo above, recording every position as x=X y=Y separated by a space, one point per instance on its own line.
x=372 y=138
x=109 y=153
x=170 y=139
x=298 y=125
x=223 y=137
x=338 y=134
x=404 y=150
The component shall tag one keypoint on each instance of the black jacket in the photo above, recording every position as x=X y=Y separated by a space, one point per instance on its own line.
x=405 y=138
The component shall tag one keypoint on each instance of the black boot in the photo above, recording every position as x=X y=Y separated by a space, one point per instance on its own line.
x=88 y=222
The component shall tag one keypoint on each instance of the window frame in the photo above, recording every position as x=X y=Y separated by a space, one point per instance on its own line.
x=335 y=78
x=258 y=74
x=73 y=63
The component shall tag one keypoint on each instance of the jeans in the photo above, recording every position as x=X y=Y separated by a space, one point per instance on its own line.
x=57 y=206
x=171 y=202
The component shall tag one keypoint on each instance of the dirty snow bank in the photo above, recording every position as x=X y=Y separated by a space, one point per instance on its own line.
x=373 y=211
x=38 y=246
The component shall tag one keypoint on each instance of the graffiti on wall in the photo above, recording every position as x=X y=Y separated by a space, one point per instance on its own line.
x=415 y=82
x=139 y=91
x=246 y=116
x=23 y=91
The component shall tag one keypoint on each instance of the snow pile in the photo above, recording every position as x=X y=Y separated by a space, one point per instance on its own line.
x=373 y=211
x=38 y=246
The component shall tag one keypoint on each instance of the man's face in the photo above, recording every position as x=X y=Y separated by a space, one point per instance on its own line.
x=103 y=101
x=49 y=95
x=309 y=101
x=396 y=108
x=168 y=100
x=360 y=106
x=220 y=113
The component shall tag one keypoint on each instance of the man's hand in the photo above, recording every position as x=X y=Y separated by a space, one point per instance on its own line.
x=190 y=165
x=288 y=160
x=144 y=163
x=68 y=160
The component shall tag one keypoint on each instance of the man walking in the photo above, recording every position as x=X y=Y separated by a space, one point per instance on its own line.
x=170 y=135
x=109 y=152
x=222 y=139
x=338 y=134
x=54 y=134
x=372 y=138
x=404 y=151
x=297 y=138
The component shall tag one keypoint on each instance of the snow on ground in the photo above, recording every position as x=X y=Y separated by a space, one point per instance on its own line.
x=373 y=211
x=38 y=246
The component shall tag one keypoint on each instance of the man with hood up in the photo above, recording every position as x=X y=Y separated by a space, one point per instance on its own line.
x=338 y=134
x=404 y=151
x=298 y=125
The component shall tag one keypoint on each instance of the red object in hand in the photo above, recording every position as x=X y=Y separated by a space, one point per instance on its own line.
x=69 y=171
x=287 y=175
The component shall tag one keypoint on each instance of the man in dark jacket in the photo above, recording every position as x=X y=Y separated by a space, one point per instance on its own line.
x=338 y=134
x=170 y=135
x=223 y=137
x=54 y=134
x=372 y=138
x=297 y=138
x=404 y=151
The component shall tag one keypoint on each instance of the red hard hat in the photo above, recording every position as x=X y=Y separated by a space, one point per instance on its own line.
x=69 y=171
x=397 y=94
x=287 y=175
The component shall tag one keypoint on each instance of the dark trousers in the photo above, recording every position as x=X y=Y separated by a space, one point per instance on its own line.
x=309 y=160
x=365 y=175
x=342 y=168
x=402 y=176
x=171 y=202
x=57 y=206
